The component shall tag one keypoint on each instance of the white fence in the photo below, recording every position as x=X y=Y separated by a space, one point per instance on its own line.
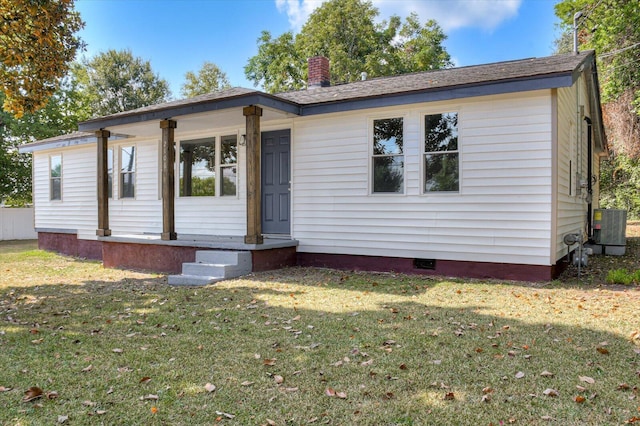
x=17 y=224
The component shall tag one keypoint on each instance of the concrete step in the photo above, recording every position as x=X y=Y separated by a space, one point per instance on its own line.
x=212 y=266
x=192 y=280
x=219 y=256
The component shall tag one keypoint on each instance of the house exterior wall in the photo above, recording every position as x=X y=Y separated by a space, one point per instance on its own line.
x=572 y=161
x=501 y=214
x=77 y=210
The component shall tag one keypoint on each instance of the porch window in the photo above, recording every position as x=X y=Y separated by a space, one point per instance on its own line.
x=441 y=155
x=388 y=156
x=55 y=177
x=198 y=167
x=228 y=164
x=127 y=171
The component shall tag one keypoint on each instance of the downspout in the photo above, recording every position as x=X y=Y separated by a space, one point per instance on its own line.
x=589 y=179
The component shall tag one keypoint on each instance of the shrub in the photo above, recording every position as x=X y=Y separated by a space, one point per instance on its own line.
x=620 y=276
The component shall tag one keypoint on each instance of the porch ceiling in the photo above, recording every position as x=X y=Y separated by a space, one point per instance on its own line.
x=194 y=123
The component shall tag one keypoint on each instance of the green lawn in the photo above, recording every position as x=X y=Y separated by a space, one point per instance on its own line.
x=310 y=346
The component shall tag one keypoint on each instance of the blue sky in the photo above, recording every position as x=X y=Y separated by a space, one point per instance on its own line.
x=180 y=35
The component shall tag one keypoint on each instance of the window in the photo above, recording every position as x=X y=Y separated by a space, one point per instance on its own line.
x=441 y=169
x=110 y=173
x=388 y=156
x=201 y=160
x=198 y=168
x=55 y=177
x=127 y=171
x=228 y=164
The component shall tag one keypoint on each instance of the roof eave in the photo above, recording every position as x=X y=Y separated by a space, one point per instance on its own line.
x=549 y=81
x=262 y=99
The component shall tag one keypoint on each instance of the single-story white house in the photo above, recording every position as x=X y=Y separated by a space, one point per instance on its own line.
x=474 y=171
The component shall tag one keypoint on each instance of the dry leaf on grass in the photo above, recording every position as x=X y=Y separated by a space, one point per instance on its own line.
x=587 y=379
x=87 y=368
x=603 y=351
x=246 y=383
x=269 y=361
x=579 y=399
x=546 y=373
x=519 y=375
x=151 y=397
x=32 y=393
x=209 y=387
x=278 y=379
x=449 y=396
x=117 y=351
x=63 y=419
x=5 y=389
x=145 y=379
x=551 y=392
x=227 y=415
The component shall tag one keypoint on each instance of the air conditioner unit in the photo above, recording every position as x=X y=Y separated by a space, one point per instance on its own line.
x=609 y=228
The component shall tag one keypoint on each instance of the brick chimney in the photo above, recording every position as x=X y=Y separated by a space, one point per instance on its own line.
x=319 y=75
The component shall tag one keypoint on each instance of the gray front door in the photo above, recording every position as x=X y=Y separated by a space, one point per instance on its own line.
x=276 y=154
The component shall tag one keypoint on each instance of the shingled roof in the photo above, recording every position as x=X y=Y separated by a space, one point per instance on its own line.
x=523 y=69
x=453 y=83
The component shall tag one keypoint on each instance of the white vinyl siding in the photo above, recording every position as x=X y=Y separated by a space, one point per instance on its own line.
x=572 y=164
x=501 y=214
x=77 y=211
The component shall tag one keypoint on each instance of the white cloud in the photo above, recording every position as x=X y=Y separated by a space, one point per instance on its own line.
x=453 y=14
x=298 y=11
x=450 y=14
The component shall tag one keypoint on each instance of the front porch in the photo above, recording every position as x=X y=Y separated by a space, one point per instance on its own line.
x=150 y=252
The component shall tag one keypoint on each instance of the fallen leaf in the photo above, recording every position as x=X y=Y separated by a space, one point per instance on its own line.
x=5 y=389
x=149 y=397
x=269 y=361
x=63 y=419
x=587 y=379
x=486 y=398
x=330 y=392
x=52 y=395
x=278 y=379
x=550 y=392
x=367 y=362
x=603 y=351
x=32 y=393
x=624 y=386
x=487 y=390
x=296 y=389
x=449 y=396
x=87 y=368
x=246 y=383
x=271 y=422
x=547 y=418
x=403 y=366
x=546 y=373
x=579 y=399
x=341 y=395
x=209 y=387
x=101 y=412
x=145 y=379
x=117 y=351
x=519 y=375
x=227 y=415
x=88 y=403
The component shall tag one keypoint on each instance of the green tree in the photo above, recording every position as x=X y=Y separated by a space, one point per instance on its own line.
x=612 y=28
x=345 y=32
x=116 y=81
x=209 y=79
x=60 y=115
x=37 y=44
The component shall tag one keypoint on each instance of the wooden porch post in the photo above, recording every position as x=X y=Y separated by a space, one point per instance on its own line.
x=254 y=195
x=103 y=184
x=168 y=180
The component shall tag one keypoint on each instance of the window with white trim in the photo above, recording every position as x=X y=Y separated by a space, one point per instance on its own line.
x=441 y=154
x=203 y=160
x=388 y=156
x=55 y=177
x=127 y=171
